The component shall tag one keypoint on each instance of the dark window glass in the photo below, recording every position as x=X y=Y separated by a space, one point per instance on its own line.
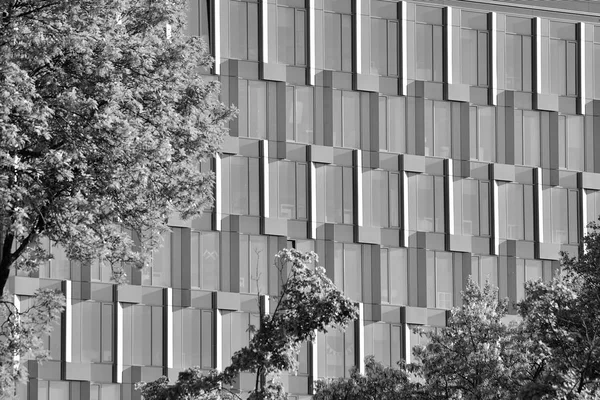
x=338 y=41
x=193 y=338
x=244 y=186
x=205 y=260
x=471 y=207
x=527 y=137
x=484 y=269
x=346 y=119
x=288 y=190
x=142 y=335
x=243 y=35
x=394 y=276
x=426 y=203
x=300 y=114
x=254 y=264
x=483 y=133
x=474 y=49
x=384 y=47
x=561 y=215
x=199 y=20
x=392 y=124
x=440 y=280
x=515 y=211
x=291 y=36
x=336 y=352
x=438 y=123
x=429 y=41
x=571 y=142
x=519 y=62
x=564 y=59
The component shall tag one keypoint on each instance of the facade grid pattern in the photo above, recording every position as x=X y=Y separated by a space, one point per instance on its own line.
x=410 y=144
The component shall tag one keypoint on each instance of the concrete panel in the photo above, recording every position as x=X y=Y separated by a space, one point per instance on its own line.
x=458 y=92
x=414 y=315
x=368 y=234
x=226 y=301
x=273 y=72
x=366 y=83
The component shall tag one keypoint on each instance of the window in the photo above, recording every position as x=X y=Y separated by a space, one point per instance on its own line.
x=288 y=182
x=570 y=142
x=597 y=61
x=158 y=273
x=236 y=334
x=438 y=133
x=254 y=264
x=440 y=276
x=381 y=198
x=392 y=124
x=561 y=215
x=527 y=138
x=300 y=114
x=192 y=338
x=199 y=20
x=52 y=342
x=384 y=38
x=564 y=59
x=529 y=270
x=142 y=335
x=593 y=205
x=384 y=342
x=430 y=44
x=48 y=390
x=471 y=207
x=519 y=71
x=484 y=269
x=346 y=118
x=348 y=269
x=258 y=111
x=335 y=194
x=291 y=35
x=243 y=30
x=482 y=134
x=59 y=266
x=515 y=211
x=105 y=391
x=336 y=352
x=474 y=46
x=394 y=276
x=92 y=330
x=426 y=203
x=338 y=35
x=205 y=260
x=243 y=196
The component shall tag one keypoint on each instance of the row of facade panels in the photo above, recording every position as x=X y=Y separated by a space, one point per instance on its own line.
x=386 y=45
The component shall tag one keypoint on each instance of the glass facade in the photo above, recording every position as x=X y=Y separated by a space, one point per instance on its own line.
x=408 y=150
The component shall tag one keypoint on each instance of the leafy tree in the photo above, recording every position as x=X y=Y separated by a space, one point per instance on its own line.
x=308 y=303
x=21 y=334
x=477 y=355
x=562 y=315
x=379 y=382
x=104 y=121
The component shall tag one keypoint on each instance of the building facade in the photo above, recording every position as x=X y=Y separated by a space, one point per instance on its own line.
x=409 y=143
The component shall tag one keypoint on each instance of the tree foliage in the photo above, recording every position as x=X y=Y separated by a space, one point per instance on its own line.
x=308 y=303
x=104 y=119
x=551 y=352
x=21 y=334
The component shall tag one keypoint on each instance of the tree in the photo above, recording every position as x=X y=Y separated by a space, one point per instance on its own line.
x=104 y=120
x=379 y=382
x=308 y=303
x=562 y=315
x=477 y=355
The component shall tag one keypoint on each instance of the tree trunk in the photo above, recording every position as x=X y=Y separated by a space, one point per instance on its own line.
x=6 y=242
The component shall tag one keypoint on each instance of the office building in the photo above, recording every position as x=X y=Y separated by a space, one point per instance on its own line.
x=409 y=143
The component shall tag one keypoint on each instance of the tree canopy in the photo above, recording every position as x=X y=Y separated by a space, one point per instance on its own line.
x=308 y=303
x=104 y=120
x=552 y=351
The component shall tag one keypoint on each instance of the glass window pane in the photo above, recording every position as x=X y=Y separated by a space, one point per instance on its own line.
x=444 y=280
x=392 y=49
x=351 y=115
x=352 y=271
x=304 y=114
x=348 y=196
x=397 y=120
x=531 y=138
x=238 y=40
x=469 y=56
x=252 y=32
x=301 y=191
x=442 y=135
x=425 y=54
x=209 y=258
x=300 y=37
x=333 y=41
x=285 y=35
x=383 y=120
x=346 y=43
x=257 y=109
